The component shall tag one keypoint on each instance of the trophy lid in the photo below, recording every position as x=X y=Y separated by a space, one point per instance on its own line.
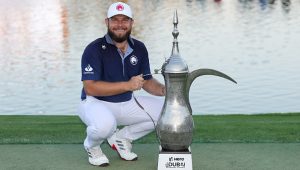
x=175 y=64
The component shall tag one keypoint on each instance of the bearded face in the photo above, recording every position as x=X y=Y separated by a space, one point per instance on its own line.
x=119 y=28
x=117 y=36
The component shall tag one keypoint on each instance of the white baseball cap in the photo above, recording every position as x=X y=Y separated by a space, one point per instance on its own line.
x=119 y=8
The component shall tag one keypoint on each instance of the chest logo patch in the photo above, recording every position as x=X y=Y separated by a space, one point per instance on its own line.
x=133 y=60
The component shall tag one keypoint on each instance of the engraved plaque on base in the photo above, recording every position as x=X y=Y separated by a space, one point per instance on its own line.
x=175 y=160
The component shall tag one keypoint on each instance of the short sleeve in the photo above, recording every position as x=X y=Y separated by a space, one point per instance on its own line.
x=146 y=66
x=90 y=64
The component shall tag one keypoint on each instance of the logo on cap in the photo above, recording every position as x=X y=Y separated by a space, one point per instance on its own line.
x=120 y=7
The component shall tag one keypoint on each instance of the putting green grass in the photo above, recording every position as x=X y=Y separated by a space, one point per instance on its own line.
x=260 y=128
x=206 y=156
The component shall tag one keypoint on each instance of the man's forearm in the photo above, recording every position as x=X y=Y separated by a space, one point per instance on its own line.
x=101 y=88
x=154 y=87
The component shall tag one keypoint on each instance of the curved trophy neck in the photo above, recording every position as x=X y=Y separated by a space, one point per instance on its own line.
x=176 y=90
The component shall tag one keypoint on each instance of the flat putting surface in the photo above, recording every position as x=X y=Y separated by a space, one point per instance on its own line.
x=223 y=142
x=206 y=156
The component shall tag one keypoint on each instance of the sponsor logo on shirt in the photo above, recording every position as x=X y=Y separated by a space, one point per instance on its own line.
x=133 y=60
x=88 y=70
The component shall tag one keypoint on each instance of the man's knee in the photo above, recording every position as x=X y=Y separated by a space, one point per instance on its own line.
x=101 y=132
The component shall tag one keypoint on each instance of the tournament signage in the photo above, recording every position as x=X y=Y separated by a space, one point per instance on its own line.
x=171 y=160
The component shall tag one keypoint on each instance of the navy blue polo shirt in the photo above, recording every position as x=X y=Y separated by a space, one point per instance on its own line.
x=103 y=61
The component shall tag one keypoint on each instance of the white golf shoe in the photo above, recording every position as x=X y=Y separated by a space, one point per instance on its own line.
x=123 y=147
x=96 y=156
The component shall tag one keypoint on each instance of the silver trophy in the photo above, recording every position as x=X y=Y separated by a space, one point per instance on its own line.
x=175 y=125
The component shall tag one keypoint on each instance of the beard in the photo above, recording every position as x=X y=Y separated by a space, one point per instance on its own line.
x=117 y=38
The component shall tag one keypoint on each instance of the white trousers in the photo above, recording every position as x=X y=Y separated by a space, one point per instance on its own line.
x=102 y=118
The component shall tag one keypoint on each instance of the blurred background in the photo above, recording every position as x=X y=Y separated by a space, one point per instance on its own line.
x=256 y=42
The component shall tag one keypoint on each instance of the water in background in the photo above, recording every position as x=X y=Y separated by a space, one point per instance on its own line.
x=254 y=41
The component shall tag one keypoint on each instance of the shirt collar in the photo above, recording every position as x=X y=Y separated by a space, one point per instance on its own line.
x=109 y=40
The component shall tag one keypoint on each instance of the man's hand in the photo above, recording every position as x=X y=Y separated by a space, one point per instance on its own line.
x=136 y=83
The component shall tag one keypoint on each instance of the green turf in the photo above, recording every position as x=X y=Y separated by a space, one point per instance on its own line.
x=41 y=129
x=262 y=128
x=206 y=156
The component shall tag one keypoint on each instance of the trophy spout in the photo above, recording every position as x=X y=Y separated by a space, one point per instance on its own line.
x=201 y=72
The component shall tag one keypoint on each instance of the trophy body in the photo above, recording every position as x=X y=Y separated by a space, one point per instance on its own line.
x=175 y=125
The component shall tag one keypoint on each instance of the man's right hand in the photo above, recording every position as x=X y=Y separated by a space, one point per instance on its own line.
x=136 y=83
